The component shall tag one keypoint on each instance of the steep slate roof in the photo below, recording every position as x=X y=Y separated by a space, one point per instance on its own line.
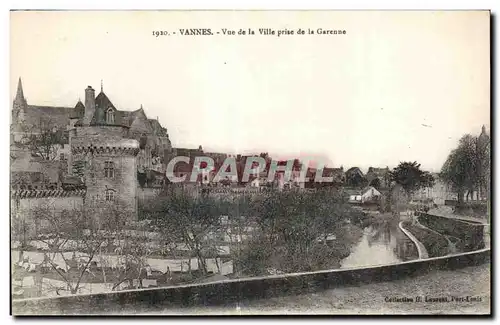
x=353 y=170
x=187 y=152
x=135 y=119
x=26 y=177
x=78 y=111
x=103 y=101
x=55 y=116
x=158 y=130
x=139 y=122
x=122 y=118
x=377 y=173
x=366 y=189
x=58 y=117
x=102 y=104
x=336 y=173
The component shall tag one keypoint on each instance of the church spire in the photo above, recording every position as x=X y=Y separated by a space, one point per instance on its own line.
x=20 y=93
x=19 y=101
x=102 y=86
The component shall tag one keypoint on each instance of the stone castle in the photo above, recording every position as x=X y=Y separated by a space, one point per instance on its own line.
x=95 y=147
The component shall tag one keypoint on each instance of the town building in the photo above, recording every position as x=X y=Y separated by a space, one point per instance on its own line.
x=354 y=177
x=378 y=177
x=106 y=149
x=367 y=195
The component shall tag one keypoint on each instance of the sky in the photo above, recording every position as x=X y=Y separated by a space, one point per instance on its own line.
x=398 y=86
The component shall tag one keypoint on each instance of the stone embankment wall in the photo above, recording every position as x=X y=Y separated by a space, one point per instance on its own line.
x=231 y=291
x=470 y=234
x=239 y=290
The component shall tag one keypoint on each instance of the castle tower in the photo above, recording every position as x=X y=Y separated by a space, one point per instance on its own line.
x=109 y=160
x=110 y=169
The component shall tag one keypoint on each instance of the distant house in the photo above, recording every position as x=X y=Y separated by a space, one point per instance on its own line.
x=354 y=177
x=355 y=198
x=438 y=193
x=368 y=194
x=337 y=174
x=378 y=177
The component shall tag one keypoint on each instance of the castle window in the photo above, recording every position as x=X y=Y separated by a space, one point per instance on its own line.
x=110 y=116
x=109 y=169
x=110 y=195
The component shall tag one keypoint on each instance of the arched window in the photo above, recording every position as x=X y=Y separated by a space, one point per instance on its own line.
x=110 y=116
x=110 y=195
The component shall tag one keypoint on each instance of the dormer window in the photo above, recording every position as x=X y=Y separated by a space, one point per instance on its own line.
x=110 y=116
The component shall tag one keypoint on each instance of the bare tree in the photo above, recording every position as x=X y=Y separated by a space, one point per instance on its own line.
x=192 y=221
x=293 y=230
x=43 y=140
x=133 y=247
x=20 y=232
x=78 y=232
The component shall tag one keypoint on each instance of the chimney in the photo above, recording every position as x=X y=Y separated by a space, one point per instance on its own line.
x=89 y=105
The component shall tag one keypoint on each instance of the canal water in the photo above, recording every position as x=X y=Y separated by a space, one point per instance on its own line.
x=381 y=243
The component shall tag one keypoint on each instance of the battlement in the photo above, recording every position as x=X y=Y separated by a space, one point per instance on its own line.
x=131 y=149
x=22 y=194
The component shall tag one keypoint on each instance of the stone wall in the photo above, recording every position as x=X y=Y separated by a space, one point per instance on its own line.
x=147 y=193
x=240 y=290
x=24 y=203
x=98 y=146
x=97 y=135
x=123 y=184
x=471 y=234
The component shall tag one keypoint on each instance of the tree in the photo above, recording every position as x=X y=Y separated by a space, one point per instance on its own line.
x=134 y=249
x=375 y=183
x=355 y=178
x=411 y=177
x=74 y=239
x=20 y=230
x=193 y=221
x=467 y=168
x=44 y=140
x=238 y=210
x=293 y=227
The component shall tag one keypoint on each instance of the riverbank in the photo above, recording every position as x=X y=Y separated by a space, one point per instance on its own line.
x=435 y=244
x=446 y=211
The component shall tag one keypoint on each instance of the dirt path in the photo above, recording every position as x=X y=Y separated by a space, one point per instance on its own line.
x=371 y=299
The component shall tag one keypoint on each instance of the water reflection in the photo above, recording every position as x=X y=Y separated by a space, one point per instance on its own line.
x=381 y=243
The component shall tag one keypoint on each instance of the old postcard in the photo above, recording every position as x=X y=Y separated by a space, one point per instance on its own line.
x=250 y=162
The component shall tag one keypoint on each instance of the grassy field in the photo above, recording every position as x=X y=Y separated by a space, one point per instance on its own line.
x=435 y=244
